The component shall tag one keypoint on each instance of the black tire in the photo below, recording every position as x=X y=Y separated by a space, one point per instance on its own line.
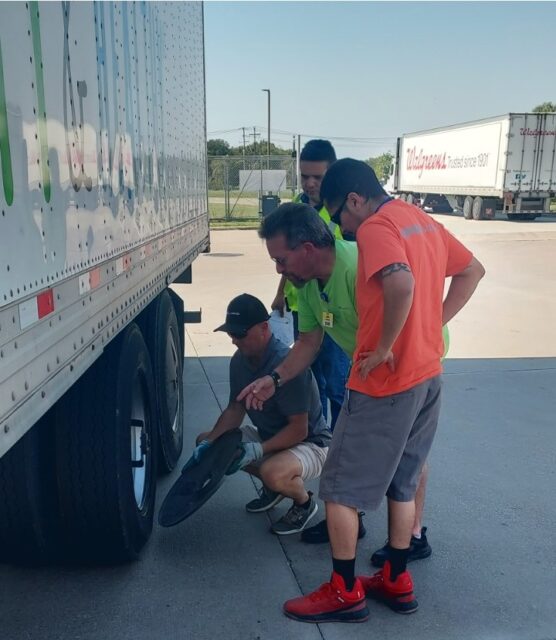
x=409 y=198
x=104 y=421
x=478 y=208
x=165 y=343
x=403 y=197
x=29 y=513
x=468 y=208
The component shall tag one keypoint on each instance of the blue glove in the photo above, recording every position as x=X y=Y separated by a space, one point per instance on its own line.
x=200 y=448
x=197 y=454
x=248 y=452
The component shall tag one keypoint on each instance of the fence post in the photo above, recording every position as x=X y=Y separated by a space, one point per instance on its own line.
x=226 y=190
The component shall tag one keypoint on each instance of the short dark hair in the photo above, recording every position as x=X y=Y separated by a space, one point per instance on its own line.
x=318 y=151
x=298 y=223
x=348 y=175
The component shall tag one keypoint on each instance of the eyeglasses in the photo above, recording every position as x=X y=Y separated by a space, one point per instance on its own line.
x=283 y=261
x=336 y=217
x=237 y=335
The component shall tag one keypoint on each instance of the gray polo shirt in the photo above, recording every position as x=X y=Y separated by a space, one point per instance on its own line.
x=299 y=395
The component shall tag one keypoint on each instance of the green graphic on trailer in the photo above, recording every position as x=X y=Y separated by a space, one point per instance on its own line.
x=43 y=141
x=5 y=156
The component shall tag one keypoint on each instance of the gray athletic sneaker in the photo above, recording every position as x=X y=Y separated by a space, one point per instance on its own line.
x=296 y=519
x=267 y=500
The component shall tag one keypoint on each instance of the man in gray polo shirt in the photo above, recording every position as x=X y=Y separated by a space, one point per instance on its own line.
x=289 y=440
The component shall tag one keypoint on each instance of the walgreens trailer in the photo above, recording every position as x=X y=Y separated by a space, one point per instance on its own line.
x=506 y=163
x=103 y=205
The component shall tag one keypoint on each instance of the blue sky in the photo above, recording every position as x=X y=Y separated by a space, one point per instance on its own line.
x=373 y=70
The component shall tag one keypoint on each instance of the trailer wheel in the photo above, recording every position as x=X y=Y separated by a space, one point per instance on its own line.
x=106 y=454
x=409 y=198
x=166 y=349
x=29 y=514
x=468 y=208
x=478 y=208
x=403 y=197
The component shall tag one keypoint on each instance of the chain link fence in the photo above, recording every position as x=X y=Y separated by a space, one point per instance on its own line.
x=239 y=185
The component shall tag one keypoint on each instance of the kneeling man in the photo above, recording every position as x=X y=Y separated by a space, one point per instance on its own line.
x=289 y=439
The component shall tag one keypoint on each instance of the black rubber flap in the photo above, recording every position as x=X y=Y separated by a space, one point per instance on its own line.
x=200 y=480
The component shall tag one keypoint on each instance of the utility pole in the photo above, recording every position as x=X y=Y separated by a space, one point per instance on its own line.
x=255 y=136
x=268 y=143
x=243 y=129
x=298 y=156
x=294 y=170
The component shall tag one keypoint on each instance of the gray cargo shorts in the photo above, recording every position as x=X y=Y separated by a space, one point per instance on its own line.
x=380 y=446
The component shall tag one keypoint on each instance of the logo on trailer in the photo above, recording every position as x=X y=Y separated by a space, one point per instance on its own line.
x=425 y=162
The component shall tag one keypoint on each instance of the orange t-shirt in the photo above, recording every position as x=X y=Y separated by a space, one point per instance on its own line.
x=400 y=232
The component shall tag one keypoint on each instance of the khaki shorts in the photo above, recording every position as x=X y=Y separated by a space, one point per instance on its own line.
x=310 y=455
x=380 y=446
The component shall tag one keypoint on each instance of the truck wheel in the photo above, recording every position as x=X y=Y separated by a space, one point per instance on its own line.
x=478 y=208
x=106 y=454
x=468 y=208
x=403 y=197
x=166 y=349
x=409 y=198
x=29 y=514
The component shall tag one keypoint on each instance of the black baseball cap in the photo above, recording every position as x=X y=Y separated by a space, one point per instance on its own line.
x=243 y=312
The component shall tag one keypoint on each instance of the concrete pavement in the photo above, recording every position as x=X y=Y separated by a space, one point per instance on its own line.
x=491 y=510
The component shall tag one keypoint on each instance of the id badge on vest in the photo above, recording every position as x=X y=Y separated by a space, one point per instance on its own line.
x=327 y=319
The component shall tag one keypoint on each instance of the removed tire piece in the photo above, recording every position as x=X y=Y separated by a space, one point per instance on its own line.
x=199 y=480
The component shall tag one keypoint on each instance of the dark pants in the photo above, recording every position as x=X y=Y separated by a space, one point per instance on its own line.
x=330 y=368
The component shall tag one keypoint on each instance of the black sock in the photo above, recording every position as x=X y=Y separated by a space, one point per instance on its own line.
x=398 y=561
x=346 y=569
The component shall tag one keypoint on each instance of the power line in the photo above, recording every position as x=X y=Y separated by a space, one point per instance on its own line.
x=220 y=131
x=350 y=139
x=328 y=137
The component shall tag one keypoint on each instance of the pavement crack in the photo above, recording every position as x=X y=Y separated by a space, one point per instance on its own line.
x=206 y=374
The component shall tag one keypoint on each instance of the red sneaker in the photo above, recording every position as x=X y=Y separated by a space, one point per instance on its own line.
x=397 y=594
x=331 y=602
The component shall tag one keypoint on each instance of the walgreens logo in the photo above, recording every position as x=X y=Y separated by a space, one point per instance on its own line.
x=421 y=161
x=536 y=132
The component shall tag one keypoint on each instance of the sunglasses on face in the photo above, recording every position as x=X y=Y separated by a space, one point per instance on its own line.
x=237 y=336
x=336 y=217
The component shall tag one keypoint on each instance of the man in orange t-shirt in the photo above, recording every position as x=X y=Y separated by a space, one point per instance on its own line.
x=389 y=418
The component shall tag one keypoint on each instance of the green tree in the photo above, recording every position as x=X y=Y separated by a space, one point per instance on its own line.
x=218 y=147
x=259 y=149
x=545 y=107
x=381 y=165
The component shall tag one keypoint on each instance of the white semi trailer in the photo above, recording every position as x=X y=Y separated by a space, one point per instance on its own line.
x=506 y=163
x=103 y=204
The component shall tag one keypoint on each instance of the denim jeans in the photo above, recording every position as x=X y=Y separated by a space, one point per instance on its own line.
x=331 y=368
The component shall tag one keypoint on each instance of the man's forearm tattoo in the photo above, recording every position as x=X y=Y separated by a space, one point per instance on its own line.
x=396 y=266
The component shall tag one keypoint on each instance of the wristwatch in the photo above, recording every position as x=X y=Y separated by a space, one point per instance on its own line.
x=276 y=378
